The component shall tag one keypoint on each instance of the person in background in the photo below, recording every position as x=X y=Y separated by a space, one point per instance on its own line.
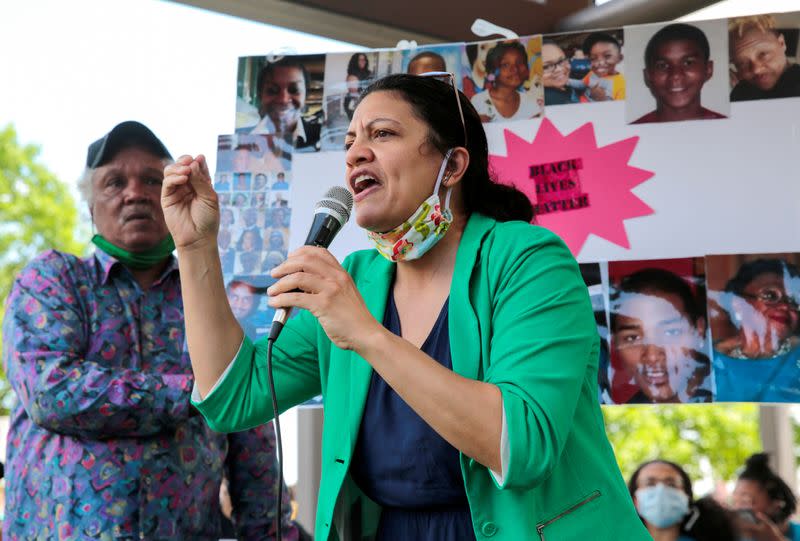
x=579 y=64
x=603 y=82
x=281 y=89
x=258 y=200
x=250 y=241
x=226 y=253
x=506 y=98
x=457 y=359
x=272 y=260
x=678 y=63
x=227 y=218
x=244 y=298
x=259 y=182
x=658 y=342
x=475 y=67
x=760 y=362
x=426 y=61
x=249 y=218
x=223 y=183
x=241 y=181
x=358 y=66
x=350 y=97
x=663 y=495
x=278 y=220
x=758 y=52
x=280 y=182
x=239 y=199
x=103 y=442
x=558 y=89
x=764 y=503
x=249 y=263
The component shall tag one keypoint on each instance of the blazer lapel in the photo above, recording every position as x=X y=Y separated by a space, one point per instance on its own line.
x=462 y=321
x=374 y=288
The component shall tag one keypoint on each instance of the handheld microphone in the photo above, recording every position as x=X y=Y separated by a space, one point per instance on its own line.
x=330 y=214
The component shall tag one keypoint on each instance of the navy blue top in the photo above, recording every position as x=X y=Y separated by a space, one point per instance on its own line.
x=402 y=464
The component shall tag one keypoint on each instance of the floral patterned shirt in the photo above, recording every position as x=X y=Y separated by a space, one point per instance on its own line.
x=103 y=442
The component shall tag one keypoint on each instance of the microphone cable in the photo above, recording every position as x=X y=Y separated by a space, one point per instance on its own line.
x=330 y=214
x=278 y=441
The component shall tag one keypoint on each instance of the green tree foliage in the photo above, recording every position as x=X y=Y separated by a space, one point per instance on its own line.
x=719 y=436
x=37 y=212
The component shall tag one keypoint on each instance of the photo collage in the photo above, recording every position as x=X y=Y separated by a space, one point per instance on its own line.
x=662 y=72
x=719 y=328
x=671 y=329
x=253 y=185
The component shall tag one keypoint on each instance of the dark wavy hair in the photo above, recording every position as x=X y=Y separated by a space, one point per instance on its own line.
x=354 y=69
x=432 y=101
x=757 y=469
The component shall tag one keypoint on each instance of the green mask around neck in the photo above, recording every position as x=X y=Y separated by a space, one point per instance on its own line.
x=137 y=260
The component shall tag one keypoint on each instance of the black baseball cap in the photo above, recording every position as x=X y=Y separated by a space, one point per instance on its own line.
x=126 y=134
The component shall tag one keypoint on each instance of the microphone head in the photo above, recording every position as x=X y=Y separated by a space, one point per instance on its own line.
x=338 y=202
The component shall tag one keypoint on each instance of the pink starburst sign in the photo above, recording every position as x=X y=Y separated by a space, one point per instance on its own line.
x=576 y=187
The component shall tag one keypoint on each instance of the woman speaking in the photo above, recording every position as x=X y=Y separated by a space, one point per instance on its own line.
x=457 y=360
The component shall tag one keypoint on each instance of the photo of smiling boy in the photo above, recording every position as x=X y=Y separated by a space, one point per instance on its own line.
x=604 y=82
x=658 y=326
x=677 y=65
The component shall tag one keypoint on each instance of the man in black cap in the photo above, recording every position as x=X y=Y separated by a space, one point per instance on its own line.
x=103 y=442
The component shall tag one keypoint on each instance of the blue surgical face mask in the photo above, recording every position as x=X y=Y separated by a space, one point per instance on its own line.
x=662 y=506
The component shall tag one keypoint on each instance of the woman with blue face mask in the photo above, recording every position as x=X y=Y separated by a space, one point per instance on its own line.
x=457 y=358
x=662 y=493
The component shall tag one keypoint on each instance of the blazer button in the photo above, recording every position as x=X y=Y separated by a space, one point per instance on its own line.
x=489 y=528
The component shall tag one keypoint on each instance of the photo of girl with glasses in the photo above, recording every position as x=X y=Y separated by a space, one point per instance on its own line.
x=508 y=96
x=753 y=305
x=584 y=67
x=559 y=89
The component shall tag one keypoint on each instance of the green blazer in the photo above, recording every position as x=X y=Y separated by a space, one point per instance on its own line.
x=519 y=318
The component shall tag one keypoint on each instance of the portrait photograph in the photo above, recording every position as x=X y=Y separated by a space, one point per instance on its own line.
x=657 y=318
x=247 y=296
x=282 y=96
x=346 y=76
x=764 y=56
x=677 y=72
x=512 y=85
x=583 y=67
x=755 y=322
x=433 y=58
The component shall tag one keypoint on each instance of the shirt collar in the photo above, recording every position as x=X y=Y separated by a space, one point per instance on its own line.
x=106 y=263
x=265 y=125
